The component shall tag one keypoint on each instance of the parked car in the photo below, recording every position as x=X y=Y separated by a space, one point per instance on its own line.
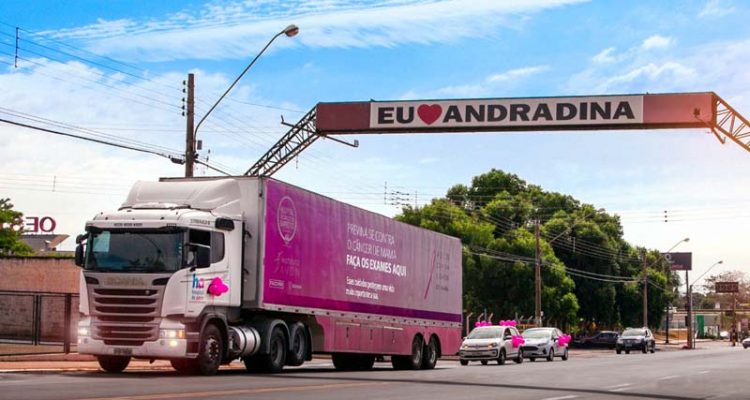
x=746 y=342
x=600 y=339
x=490 y=343
x=544 y=343
x=636 y=339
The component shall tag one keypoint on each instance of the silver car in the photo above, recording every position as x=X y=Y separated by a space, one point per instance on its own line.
x=490 y=343
x=544 y=343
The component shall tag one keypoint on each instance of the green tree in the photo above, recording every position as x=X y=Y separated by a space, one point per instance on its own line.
x=10 y=239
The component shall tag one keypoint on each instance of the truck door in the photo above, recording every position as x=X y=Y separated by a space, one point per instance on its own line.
x=205 y=256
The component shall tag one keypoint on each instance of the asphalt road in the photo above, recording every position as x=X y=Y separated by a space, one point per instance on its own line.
x=717 y=373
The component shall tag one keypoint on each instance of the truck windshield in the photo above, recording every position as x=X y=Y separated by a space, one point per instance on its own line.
x=135 y=251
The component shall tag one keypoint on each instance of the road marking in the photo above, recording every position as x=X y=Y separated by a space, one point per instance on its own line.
x=560 y=398
x=664 y=378
x=617 y=386
x=703 y=372
x=216 y=393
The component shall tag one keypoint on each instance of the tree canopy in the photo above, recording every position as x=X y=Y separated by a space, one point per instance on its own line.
x=591 y=277
x=10 y=239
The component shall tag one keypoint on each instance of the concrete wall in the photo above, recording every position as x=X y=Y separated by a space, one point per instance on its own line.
x=38 y=274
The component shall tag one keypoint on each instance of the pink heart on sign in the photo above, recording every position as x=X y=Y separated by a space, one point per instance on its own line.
x=217 y=287
x=429 y=113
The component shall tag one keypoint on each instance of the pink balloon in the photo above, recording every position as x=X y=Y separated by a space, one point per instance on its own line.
x=517 y=341
x=217 y=287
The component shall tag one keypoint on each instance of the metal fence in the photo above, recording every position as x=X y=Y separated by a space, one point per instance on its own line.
x=37 y=322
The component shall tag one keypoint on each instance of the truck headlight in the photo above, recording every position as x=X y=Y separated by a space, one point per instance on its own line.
x=84 y=327
x=172 y=333
x=83 y=331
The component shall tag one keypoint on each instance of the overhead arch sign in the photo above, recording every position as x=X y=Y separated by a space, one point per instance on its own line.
x=684 y=110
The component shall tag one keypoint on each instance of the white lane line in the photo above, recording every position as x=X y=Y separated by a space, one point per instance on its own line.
x=617 y=386
x=703 y=372
x=560 y=398
x=664 y=378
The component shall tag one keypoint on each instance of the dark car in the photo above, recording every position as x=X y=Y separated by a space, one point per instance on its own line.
x=636 y=339
x=600 y=339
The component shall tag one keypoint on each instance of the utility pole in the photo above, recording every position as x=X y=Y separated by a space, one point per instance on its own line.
x=645 y=290
x=689 y=306
x=190 y=130
x=537 y=278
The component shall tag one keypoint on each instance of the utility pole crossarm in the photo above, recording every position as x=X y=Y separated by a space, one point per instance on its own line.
x=299 y=137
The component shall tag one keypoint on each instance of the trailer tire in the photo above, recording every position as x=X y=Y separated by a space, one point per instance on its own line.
x=297 y=344
x=275 y=359
x=113 y=364
x=413 y=361
x=430 y=354
x=211 y=351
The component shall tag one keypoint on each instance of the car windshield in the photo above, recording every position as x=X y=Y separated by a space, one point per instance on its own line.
x=537 y=333
x=485 y=333
x=634 y=332
x=135 y=251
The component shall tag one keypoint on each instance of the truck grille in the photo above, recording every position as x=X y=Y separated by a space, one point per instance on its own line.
x=125 y=316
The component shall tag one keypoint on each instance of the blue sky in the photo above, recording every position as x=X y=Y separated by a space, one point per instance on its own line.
x=131 y=57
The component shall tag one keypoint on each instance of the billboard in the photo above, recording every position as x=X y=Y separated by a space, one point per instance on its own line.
x=727 y=287
x=324 y=254
x=640 y=111
x=679 y=261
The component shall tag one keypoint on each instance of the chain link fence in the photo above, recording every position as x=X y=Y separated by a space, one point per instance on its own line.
x=37 y=322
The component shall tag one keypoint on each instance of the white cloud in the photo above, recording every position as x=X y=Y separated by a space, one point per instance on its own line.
x=716 y=9
x=518 y=73
x=656 y=42
x=489 y=86
x=605 y=56
x=238 y=29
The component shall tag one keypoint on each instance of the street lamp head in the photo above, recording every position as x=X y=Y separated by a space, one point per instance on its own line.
x=721 y=262
x=291 y=30
x=687 y=239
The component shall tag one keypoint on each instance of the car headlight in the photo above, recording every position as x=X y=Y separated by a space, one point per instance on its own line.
x=492 y=345
x=619 y=340
x=172 y=333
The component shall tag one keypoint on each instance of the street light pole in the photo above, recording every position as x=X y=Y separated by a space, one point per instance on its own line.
x=190 y=152
x=691 y=342
x=645 y=284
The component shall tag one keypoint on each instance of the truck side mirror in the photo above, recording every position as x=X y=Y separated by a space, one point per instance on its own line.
x=79 y=255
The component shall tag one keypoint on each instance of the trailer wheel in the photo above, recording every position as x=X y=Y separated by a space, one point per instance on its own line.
x=113 y=364
x=275 y=359
x=430 y=354
x=297 y=345
x=414 y=361
x=211 y=351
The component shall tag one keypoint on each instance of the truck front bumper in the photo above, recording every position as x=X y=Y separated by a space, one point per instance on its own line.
x=162 y=348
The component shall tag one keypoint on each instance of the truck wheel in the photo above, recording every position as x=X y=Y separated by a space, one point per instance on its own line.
x=183 y=366
x=211 y=351
x=113 y=364
x=430 y=354
x=414 y=361
x=484 y=362
x=297 y=345
x=275 y=359
x=464 y=362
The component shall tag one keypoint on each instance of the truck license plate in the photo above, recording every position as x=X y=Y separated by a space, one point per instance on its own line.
x=123 y=351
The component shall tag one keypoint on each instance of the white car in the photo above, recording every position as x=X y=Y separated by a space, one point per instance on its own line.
x=543 y=343
x=490 y=343
x=746 y=342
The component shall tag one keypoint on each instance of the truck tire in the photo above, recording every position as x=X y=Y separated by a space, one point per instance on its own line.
x=275 y=359
x=430 y=354
x=113 y=364
x=211 y=351
x=353 y=362
x=183 y=366
x=464 y=362
x=414 y=361
x=297 y=344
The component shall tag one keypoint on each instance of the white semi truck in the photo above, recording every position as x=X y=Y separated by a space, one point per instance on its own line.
x=203 y=271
